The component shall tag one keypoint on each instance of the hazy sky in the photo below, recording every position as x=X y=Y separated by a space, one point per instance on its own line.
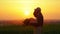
x=21 y=9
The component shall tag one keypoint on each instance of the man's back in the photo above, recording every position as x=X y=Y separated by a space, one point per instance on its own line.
x=40 y=20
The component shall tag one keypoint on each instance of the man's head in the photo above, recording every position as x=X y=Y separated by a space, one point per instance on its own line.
x=38 y=9
x=37 y=12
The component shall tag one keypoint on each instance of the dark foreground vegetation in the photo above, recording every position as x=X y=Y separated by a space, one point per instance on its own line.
x=13 y=29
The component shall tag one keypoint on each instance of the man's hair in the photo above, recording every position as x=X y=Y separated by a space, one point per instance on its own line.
x=38 y=9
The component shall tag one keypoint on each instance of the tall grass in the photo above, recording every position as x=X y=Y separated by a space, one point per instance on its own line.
x=13 y=29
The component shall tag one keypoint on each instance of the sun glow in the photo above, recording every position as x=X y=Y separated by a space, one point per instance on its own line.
x=19 y=9
x=27 y=7
x=26 y=13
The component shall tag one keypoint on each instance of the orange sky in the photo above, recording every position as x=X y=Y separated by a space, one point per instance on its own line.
x=22 y=9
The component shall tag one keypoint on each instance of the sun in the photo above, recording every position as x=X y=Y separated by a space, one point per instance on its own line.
x=26 y=13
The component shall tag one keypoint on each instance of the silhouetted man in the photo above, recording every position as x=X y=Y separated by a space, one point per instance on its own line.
x=39 y=16
x=37 y=13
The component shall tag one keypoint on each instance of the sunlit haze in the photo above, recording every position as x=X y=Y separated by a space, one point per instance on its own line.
x=22 y=9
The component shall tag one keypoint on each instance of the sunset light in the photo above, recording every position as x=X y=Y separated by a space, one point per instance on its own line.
x=22 y=9
x=29 y=16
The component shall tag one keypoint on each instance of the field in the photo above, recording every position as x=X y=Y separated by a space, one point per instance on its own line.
x=13 y=29
x=51 y=29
